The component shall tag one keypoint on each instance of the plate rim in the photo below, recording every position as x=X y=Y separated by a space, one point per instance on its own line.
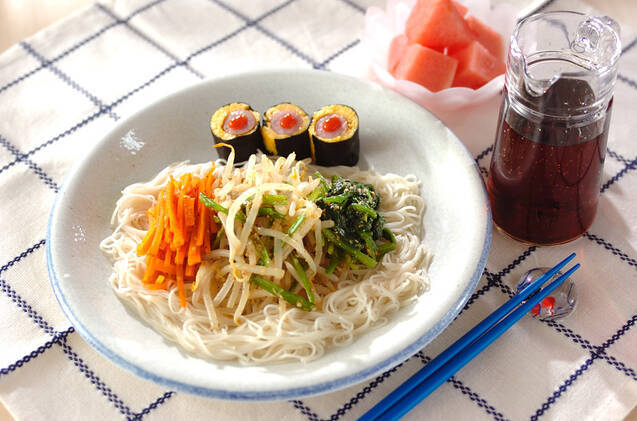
x=282 y=393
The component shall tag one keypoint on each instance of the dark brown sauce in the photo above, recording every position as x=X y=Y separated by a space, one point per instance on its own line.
x=545 y=175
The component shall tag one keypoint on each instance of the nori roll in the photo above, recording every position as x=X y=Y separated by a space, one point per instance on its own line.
x=334 y=136
x=284 y=131
x=236 y=124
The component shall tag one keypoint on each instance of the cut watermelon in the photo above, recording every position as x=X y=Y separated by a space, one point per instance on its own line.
x=396 y=51
x=427 y=67
x=486 y=36
x=461 y=8
x=476 y=66
x=437 y=24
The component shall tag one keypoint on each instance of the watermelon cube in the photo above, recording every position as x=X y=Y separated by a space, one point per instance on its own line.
x=437 y=24
x=486 y=36
x=396 y=51
x=461 y=8
x=476 y=66
x=427 y=67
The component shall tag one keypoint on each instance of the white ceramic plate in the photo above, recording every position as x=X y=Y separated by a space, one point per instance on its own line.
x=396 y=136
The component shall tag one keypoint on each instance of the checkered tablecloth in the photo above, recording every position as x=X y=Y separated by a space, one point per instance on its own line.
x=62 y=89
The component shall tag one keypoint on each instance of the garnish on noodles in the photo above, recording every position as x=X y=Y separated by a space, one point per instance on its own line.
x=179 y=232
x=268 y=262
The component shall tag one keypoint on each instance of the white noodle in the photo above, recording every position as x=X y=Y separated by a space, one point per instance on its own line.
x=204 y=276
x=245 y=293
x=227 y=318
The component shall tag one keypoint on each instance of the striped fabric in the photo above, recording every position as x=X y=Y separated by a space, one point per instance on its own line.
x=62 y=89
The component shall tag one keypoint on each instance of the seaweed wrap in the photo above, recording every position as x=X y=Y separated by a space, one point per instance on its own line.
x=334 y=136
x=236 y=124
x=284 y=131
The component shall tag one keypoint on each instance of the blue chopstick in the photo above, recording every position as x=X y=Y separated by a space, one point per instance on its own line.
x=407 y=389
x=460 y=344
x=461 y=359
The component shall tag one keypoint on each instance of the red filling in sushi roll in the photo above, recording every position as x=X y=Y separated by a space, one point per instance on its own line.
x=239 y=122
x=286 y=122
x=331 y=126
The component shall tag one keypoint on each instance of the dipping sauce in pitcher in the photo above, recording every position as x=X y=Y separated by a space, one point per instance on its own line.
x=547 y=163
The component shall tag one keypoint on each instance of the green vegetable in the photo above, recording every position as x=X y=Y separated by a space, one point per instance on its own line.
x=357 y=254
x=369 y=242
x=209 y=203
x=334 y=261
x=271 y=213
x=320 y=190
x=271 y=199
x=365 y=209
x=338 y=199
x=220 y=233
x=280 y=292
x=265 y=256
x=275 y=199
x=387 y=247
x=358 y=225
x=323 y=180
x=388 y=235
x=353 y=207
x=296 y=224
x=307 y=285
x=212 y=204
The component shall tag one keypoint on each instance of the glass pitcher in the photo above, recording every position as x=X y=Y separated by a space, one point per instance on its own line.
x=546 y=168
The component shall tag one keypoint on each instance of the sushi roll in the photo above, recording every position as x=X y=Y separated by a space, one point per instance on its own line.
x=236 y=124
x=334 y=136
x=284 y=131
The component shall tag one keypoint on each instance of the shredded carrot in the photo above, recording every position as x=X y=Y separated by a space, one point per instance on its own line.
x=179 y=233
x=194 y=252
x=181 y=254
x=143 y=247
x=191 y=271
x=170 y=204
x=202 y=226
x=180 y=213
x=148 y=275
x=189 y=211
x=166 y=268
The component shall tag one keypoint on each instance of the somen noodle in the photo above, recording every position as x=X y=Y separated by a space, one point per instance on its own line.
x=227 y=314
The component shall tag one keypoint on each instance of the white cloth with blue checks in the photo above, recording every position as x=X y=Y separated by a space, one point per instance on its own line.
x=63 y=88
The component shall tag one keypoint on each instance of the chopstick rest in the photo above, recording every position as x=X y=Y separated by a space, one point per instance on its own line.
x=559 y=304
x=438 y=370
